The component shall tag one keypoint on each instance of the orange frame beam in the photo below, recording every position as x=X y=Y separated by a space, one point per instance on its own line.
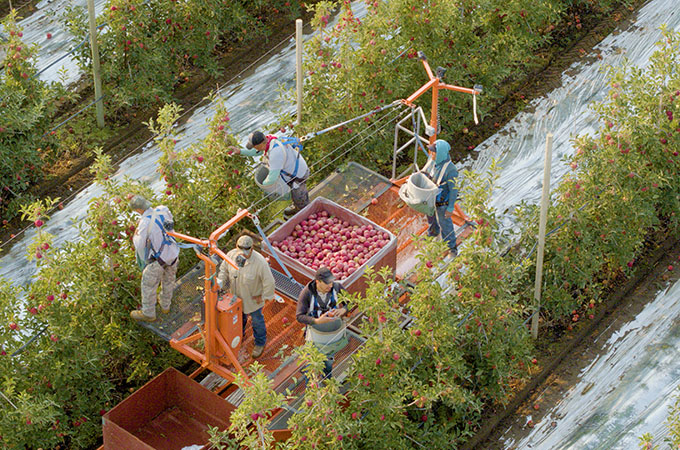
x=213 y=339
x=458 y=216
x=436 y=84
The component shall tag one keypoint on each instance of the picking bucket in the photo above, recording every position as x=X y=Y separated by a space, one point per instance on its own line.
x=279 y=188
x=419 y=192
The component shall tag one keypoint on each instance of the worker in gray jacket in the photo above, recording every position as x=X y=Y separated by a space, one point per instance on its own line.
x=283 y=159
x=443 y=172
x=253 y=283
x=157 y=255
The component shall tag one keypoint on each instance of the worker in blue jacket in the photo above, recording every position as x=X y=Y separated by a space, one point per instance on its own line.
x=443 y=172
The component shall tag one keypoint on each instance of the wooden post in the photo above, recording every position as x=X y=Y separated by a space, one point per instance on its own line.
x=545 y=202
x=298 y=65
x=95 y=64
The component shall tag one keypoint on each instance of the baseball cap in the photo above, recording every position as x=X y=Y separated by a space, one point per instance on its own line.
x=139 y=202
x=324 y=274
x=245 y=242
x=255 y=139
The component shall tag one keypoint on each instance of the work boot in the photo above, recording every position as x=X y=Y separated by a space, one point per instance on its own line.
x=165 y=311
x=290 y=211
x=257 y=351
x=140 y=316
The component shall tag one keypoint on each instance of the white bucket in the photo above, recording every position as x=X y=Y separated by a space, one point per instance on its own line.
x=279 y=188
x=419 y=192
x=326 y=333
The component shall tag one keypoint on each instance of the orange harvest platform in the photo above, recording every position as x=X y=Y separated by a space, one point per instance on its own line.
x=186 y=327
x=173 y=411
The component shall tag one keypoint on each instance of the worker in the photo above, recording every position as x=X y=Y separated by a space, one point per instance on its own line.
x=251 y=281
x=318 y=308
x=157 y=255
x=284 y=160
x=443 y=172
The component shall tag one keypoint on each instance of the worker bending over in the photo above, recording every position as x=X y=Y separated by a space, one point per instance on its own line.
x=283 y=160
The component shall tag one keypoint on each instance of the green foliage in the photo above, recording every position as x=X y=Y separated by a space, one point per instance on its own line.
x=148 y=47
x=466 y=345
x=622 y=186
x=27 y=107
x=205 y=183
x=358 y=65
x=672 y=440
x=249 y=421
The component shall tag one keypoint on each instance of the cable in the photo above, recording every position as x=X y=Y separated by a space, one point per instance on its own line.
x=30 y=341
x=360 y=137
x=73 y=116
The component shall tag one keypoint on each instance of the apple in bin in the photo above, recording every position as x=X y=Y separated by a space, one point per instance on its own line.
x=326 y=240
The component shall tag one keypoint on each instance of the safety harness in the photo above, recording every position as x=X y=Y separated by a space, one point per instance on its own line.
x=158 y=217
x=297 y=146
x=315 y=309
x=438 y=181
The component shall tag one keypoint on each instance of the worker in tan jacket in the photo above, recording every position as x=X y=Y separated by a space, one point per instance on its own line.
x=253 y=283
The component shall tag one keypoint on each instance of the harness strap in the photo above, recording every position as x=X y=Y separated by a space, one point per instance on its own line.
x=443 y=172
x=316 y=303
x=159 y=220
x=297 y=146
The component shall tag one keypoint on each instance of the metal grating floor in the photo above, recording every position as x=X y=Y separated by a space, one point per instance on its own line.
x=352 y=186
x=187 y=305
x=291 y=288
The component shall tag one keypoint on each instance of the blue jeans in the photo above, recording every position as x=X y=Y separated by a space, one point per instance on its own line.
x=439 y=222
x=328 y=367
x=259 y=326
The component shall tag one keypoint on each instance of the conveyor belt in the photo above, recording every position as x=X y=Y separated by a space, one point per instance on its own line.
x=290 y=287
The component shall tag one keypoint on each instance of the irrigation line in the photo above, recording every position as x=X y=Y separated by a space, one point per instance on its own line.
x=73 y=116
x=30 y=341
x=62 y=57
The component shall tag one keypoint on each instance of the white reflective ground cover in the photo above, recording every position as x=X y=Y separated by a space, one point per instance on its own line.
x=648 y=376
x=251 y=101
x=520 y=145
x=625 y=392
x=47 y=20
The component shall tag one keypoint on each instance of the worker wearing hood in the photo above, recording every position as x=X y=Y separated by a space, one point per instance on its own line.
x=443 y=172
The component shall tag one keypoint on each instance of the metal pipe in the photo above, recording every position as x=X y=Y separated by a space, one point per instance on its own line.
x=298 y=65
x=545 y=202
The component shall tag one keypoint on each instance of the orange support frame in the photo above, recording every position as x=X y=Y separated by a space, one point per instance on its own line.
x=458 y=216
x=215 y=345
